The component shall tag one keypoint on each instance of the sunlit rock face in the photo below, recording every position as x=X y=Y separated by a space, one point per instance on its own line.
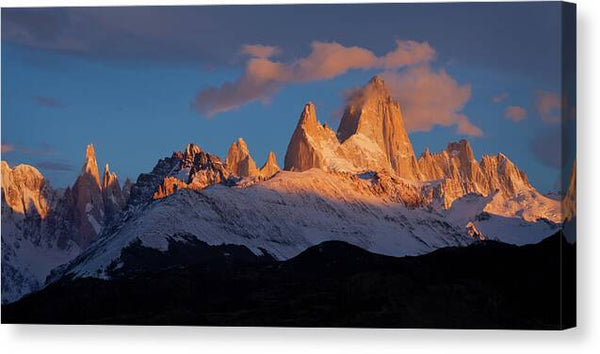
x=190 y=169
x=239 y=161
x=569 y=203
x=24 y=189
x=270 y=167
x=460 y=174
x=375 y=117
x=88 y=201
x=371 y=136
x=569 y=206
x=112 y=195
x=36 y=231
x=314 y=145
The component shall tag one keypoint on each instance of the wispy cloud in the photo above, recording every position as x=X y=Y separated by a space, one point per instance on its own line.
x=260 y=51
x=7 y=148
x=515 y=113
x=429 y=98
x=500 y=97
x=264 y=77
x=47 y=101
x=548 y=105
x=54 y=166
x=43 y=150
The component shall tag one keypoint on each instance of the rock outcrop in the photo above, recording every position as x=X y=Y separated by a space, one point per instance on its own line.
x=112 y=195
x=88 y=201
x=569 y=202
x=239 y=161
x=371 y=136
x=270 y=167
x=373 y=115
x=36 y=230
x=24 y=189
x=191 y=169
x=315 y=145
x=459 y=173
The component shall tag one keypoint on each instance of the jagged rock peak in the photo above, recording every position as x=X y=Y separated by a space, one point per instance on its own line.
x=239 y=160
x=462 y=149
x=90 y=166
x=112 y=194
x=308 y=116
x=373 y=114
x=108 y=177
x=24 y=189
x=88 y=201
x=270 y=167
x=192 y=169
x=312 y=145
x=377 y=81
x=569 y=204
x=192 y=149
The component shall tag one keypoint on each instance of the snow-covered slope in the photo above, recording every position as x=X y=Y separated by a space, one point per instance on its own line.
x=35 y=238
x=506 y=227
x=282 y=216
x=42 y=228
x=29 y=253
x=295 y=210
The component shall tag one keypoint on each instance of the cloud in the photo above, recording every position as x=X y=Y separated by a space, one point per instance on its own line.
x=46 y=101
x=515 y=113
x=7 y=148
x=429 y=98
x=548 y=105
x=500 y=97
x=44 y=149
x=260 y=51
x=264 y=77
x=408 y=53
x=54 y=166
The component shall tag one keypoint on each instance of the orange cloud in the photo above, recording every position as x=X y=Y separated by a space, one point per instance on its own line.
x=548 y=105
x=7 y=148
x=263 y=77
x=408 y=53
x=260 y=51
x=44 y=150
x=328 y=60
x=429 y=98
x=515 y=113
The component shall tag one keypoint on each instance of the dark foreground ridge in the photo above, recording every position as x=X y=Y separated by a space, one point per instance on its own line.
x=334 y=284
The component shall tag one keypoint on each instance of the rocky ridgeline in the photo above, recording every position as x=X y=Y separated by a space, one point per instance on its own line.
x=43 y=228
x=372 y=137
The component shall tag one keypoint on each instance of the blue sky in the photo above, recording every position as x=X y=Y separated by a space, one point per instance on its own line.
x=127 y=79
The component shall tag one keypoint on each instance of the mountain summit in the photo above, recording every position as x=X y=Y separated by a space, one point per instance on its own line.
x=371 y=136
x=372 y=114
x=88 y=200
x=239 y=160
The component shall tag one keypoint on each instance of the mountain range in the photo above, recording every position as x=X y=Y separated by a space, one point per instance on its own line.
x=362 y=184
